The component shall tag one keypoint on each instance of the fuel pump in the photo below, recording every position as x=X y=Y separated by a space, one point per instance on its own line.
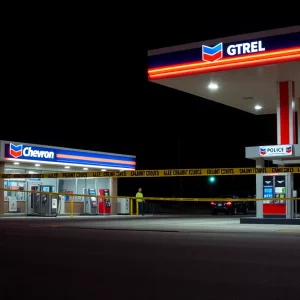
x=34 y=203
x=104 y=203
x=274 y=189
x=43 y=202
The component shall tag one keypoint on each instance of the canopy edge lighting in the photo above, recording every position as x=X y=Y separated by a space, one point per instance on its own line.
x=223 y=67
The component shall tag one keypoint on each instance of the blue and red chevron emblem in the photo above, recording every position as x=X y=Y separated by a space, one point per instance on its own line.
x=288 y=149
x=211 y=54
x=15 y=150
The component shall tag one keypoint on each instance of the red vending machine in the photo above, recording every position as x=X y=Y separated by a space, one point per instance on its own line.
x=104 y=203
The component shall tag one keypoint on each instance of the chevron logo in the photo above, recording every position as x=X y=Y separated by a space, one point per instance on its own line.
x=15 y=151
x=212 y=54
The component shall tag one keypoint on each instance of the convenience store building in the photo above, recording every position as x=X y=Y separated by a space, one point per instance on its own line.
x=24 y=158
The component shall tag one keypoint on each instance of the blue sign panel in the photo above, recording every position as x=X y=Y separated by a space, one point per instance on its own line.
x=212 y=53
x=268 y=192
x=43 y=154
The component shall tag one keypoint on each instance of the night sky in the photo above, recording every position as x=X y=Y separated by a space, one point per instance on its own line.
x=70 y=89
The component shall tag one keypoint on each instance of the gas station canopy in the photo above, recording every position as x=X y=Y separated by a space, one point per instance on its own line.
x=240 y=71
x=257 y=73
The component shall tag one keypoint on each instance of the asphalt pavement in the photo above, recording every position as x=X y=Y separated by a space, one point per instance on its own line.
x=148 y=258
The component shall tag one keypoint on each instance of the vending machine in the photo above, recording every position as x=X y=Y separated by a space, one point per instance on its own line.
x=90 y=201
x=104 y=203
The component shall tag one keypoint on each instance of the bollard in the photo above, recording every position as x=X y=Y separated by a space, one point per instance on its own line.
x=71 y=208
x=131 y=207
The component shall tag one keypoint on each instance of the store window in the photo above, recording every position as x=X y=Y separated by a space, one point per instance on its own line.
x=67 y=186
x=31 y=182
x=78 y=186
x=15 y=186
x=85 y=183
x=102 y=183
x=50 y=181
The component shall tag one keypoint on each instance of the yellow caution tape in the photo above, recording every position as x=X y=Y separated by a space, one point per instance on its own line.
x=157 y=198
x=160 y=173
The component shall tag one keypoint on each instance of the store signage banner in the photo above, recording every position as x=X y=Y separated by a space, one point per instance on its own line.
x=278 y=150
x=45 y=154
x=216 y=51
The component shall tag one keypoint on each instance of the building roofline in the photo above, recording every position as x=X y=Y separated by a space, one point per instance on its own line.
x=230 y=39
x=72 y=149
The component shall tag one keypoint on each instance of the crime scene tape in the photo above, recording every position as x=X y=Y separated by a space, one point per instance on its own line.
x=160 y=173
x=207 y=199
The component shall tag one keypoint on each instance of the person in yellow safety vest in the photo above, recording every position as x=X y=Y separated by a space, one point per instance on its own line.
x=139 y=198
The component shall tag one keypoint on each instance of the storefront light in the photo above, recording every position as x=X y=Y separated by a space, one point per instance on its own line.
x=103 y=170
x=60 y=165
x=85 y=169
x=67 y=167
x=37 y=165
x=16 y=163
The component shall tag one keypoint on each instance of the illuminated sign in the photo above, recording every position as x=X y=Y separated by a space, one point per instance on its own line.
x=245 y=48
x=29 y=152
x=225 y=56
x=268 y=192
x=19 y=151
x=67 y=156
x=212 y=54
x=279 y=150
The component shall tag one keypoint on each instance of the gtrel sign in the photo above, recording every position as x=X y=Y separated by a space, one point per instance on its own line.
x=245 y=48
x=29 y=152
x=215 y=53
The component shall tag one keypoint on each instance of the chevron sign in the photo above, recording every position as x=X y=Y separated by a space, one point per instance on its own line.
x=211 y=54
